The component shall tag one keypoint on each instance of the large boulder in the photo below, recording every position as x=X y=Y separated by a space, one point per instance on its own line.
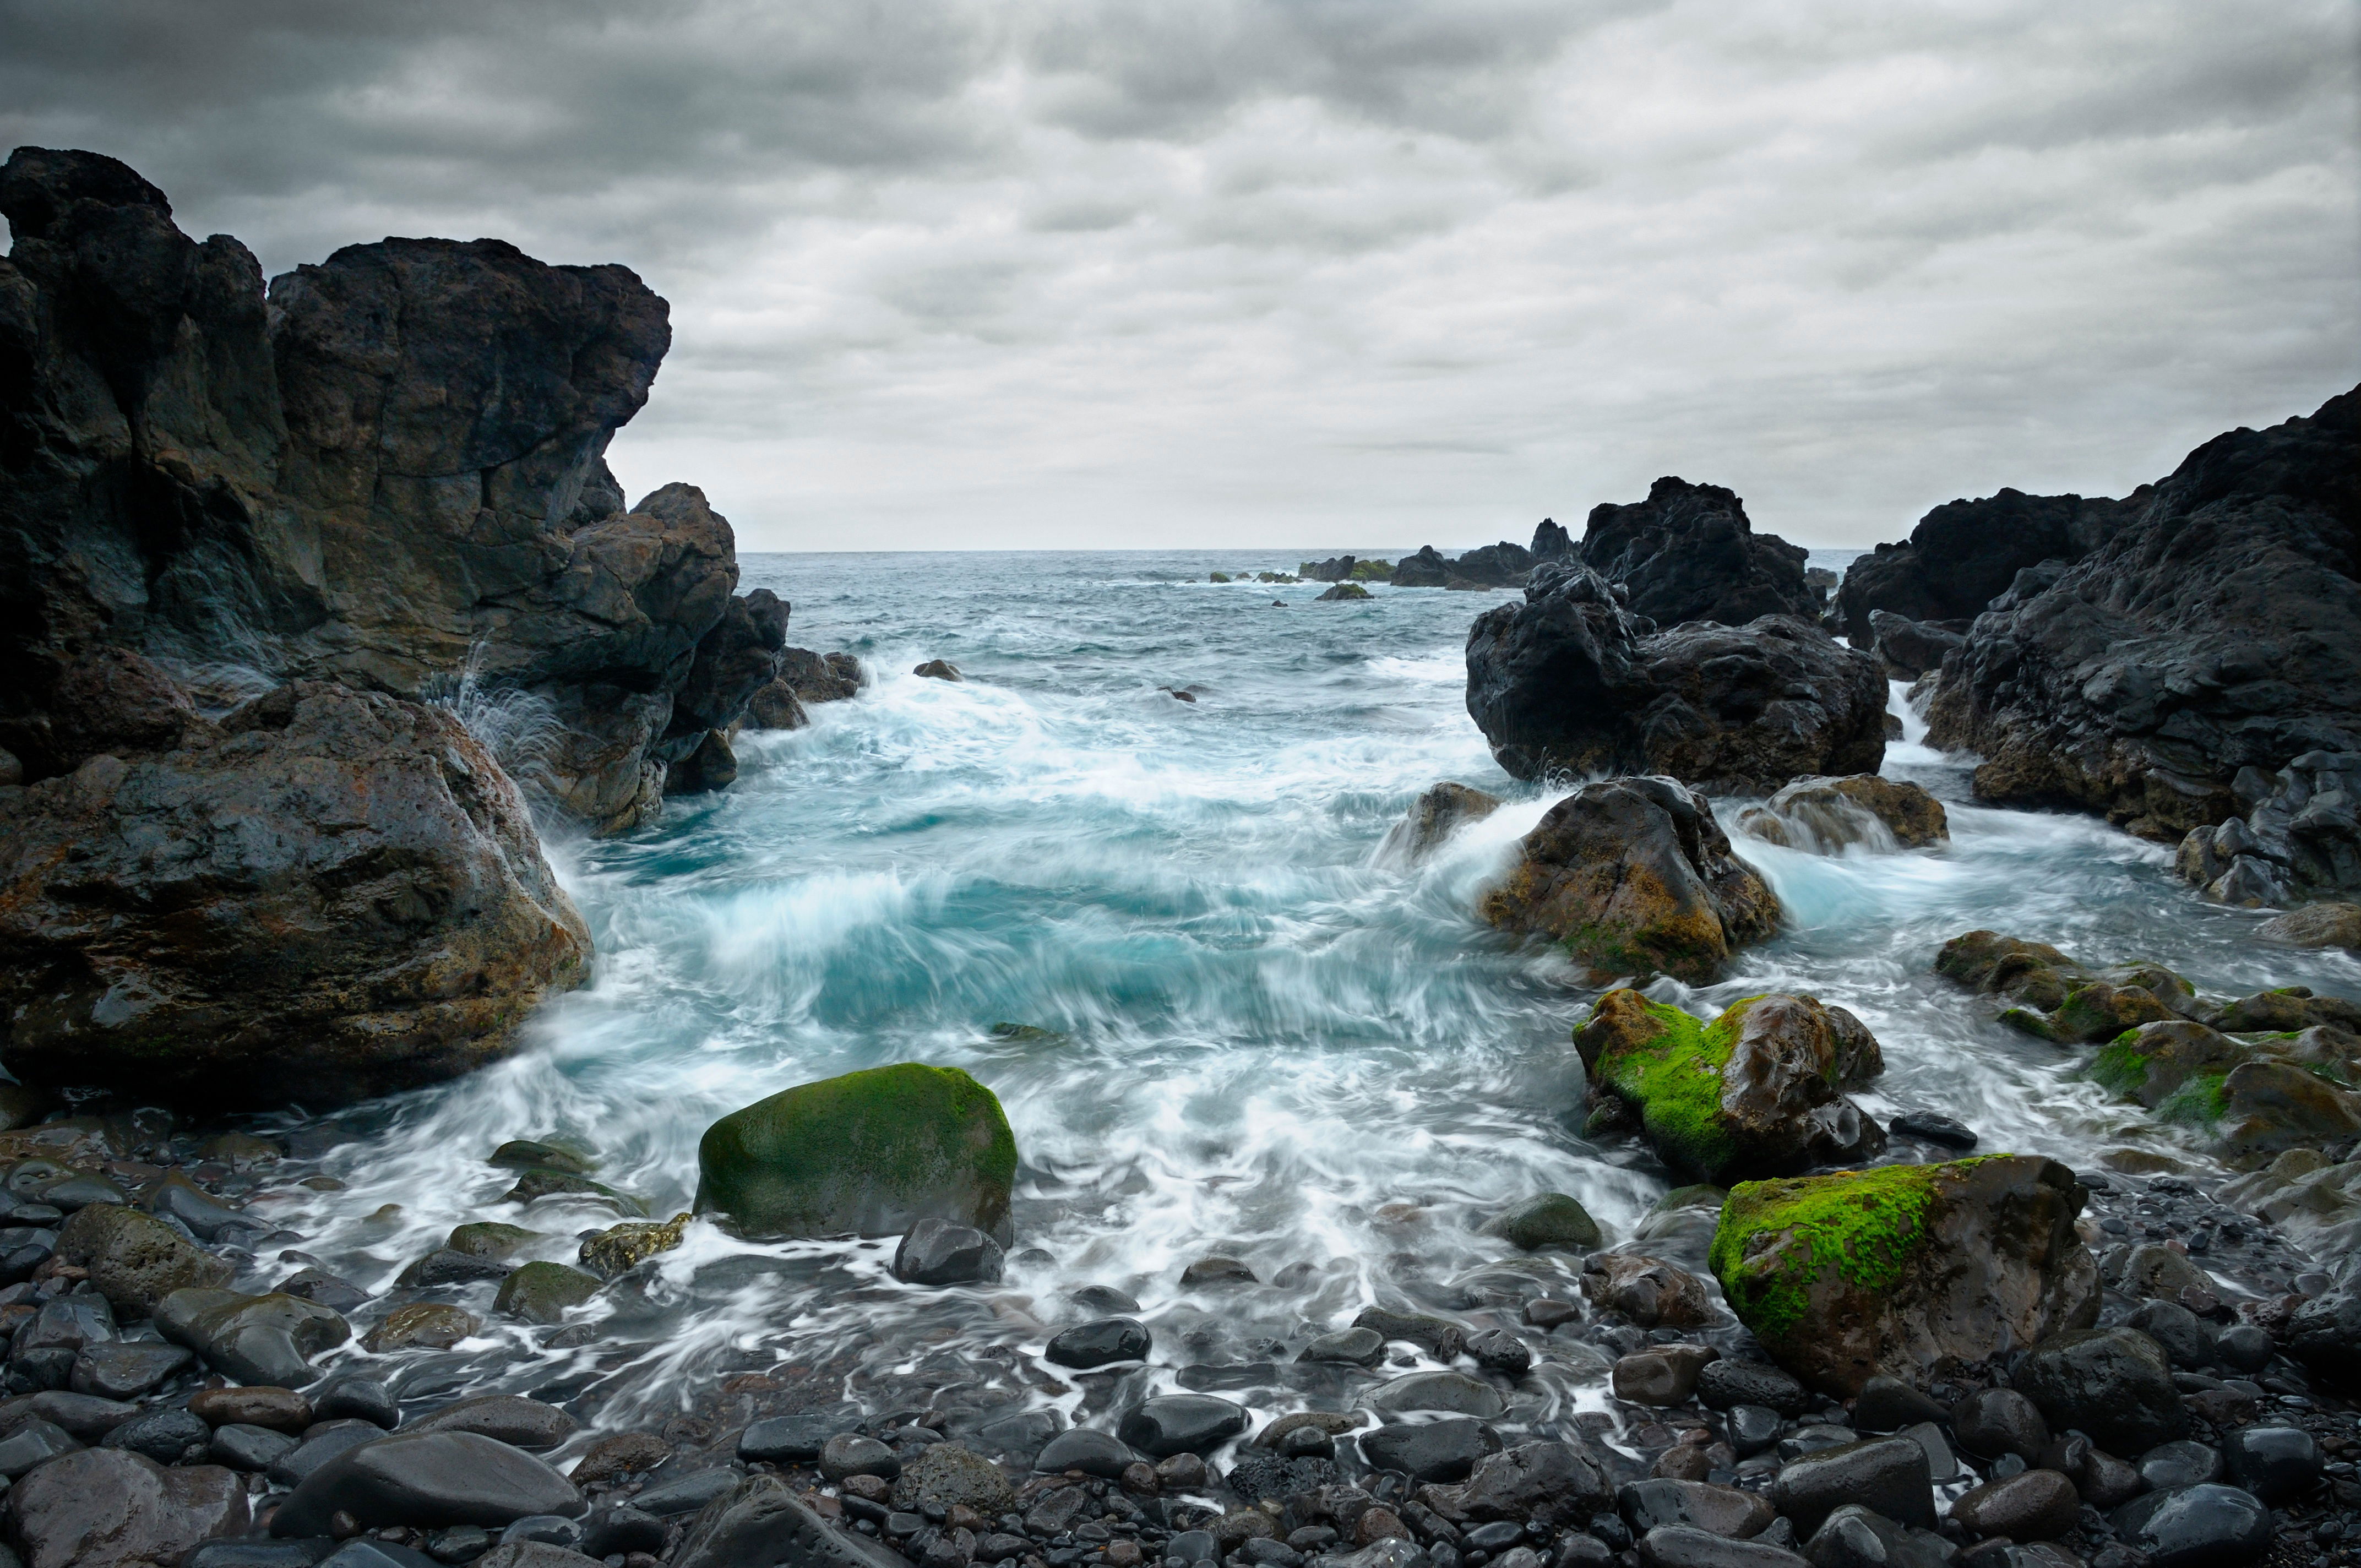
x=135 y=1260
x=1907 y=1270
x=1758 y=1091
x=2113 y=1383
x=870 y=1152
x=269 y=1340
x=1571 y=681
x=109 y=1508
x=1687 y=553
x=330 y=895
x=2211 y=635
x=1964 y=554
x=1634 y=877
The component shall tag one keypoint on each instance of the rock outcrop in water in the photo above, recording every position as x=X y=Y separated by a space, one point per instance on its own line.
x=870 y=1152
x=1825 y=816
x=1687 y=553
x=1908 y=1271
x=1758 y=1091
x=1433 y=818
x=2299 y=838
x=1634 y=877
x=391 y=475
x=1570 y=682
x=2213 y=634
x=327 y=895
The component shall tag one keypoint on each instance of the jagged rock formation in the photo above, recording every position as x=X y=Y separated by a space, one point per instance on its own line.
x=258 y=561
x=1568 y=682
x=2215 y=633
x=1687 y=553
x=2299 y=840
x=1964 y=554
x=390 y=475
x=1551 y=541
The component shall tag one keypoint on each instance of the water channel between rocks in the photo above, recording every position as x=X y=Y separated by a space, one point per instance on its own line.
x=1248 y=1034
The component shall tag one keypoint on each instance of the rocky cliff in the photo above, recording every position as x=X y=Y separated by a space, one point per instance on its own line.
x=387 y=471
x=1964 y=554
x=2218 y=631
x=261 y=553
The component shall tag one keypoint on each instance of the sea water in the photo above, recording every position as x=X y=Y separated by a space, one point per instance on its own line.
x=1247 y=1033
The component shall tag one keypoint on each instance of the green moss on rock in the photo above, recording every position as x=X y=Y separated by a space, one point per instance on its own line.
x=870 y=1153
x=2197 y=1102
x=1865 y=1225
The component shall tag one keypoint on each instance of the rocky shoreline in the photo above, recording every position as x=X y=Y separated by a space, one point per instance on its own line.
x=320 y=591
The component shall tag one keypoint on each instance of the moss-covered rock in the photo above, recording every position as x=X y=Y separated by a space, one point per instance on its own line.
x=541 y=1292
x=1634 y=877
x=1345 y=591
x=2057 y=999
x=2316 y=925
x=2287 y=1010
x=1755 y=1092
x=870 y=1153
x=135 y=1260
x=1373 y=571
x=620 y=1248
x=2266 y=1107
x=528 y=1154
x=2151 y=1063
x=2101 y=1010
x=1906 y=1270
x=2032 y=972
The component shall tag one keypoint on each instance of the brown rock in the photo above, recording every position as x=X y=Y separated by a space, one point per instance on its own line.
x=135 y=1260
x=434 y=1325
x=2329 y=925
x=393 y=926
x=1663 y=1374
x=2040 y=1505
x=1826 y=815
x=619 y=1455
x=1433 y=818
x=1378 y=1524
x=280 y=1409
x=1634 y=877
x=108 y=1508
x=1652 y=1293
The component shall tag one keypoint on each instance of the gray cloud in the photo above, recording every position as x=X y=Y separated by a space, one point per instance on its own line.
x=1307 y=273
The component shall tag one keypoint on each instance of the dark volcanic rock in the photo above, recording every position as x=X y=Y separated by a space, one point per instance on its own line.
x=1965 y=554
x=426 y=1478
x=2196 y=1527
x=1442 y=1450
x=763 y=1525
x=1635 y=877
x=108 y=1508
x=2211 y=634
x=1687 y=553
x=340 y=895
x=2113 y=1383
x=1549 y=541
x=1571 y=682
x=1181 y=1424
x=2300 y=839
x=1909 y=649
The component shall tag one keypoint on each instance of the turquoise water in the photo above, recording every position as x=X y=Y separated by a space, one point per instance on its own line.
x=1271 y=1043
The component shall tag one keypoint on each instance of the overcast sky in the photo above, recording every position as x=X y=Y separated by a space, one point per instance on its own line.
x=1054 y=273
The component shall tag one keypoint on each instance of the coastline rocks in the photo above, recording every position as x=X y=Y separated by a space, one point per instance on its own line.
x=1569 y=681
x=872 y=1152
x=1650 y=1292
x=1181 y=1424
x=1634 y=877
x=2206 y=1526
x=407 y=922
x=1825 y=816
x=937 y=1252
x=1906 y=1270
x=2113 y=1383
x=1343 y=591
x=427 y=1478
x=108 y=1508
x=2211 y=635
x=2316 y=925
x=761 y=1524
x=2300 y=839
x=1964 y=554
x=1909 y=649
x=255 y=1339
x=544 y=1292
x=1433 y=818
x=135 y=1260
x=1335 y=569
x=1687 y=553
x=1756 y=1092
x=938 y=670
x=1547 y=1222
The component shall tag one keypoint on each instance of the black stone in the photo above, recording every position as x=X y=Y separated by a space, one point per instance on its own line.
x=1993 y=1421
x=245 y=1447
x=1088 y=1450
x=1934 y=1129
x=624 y=1530
x=2113 y=1383
x=1181 y=1424
x=162 y=1435
x=1888 y=1404
x=937 y=1252
x=664 y=1496
x=2196 y=1527
x=1752 y=1428
x=354 y=1397
x=778 y=1439
x=1887 y=1473
x=2278 y=1465
x=1444 y=1451
x=426 y=1479
x=1725 y=1384
x=1100 y=1344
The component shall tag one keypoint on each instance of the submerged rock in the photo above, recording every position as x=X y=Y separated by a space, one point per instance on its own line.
x=1433 y=818
x=338 y=895
x=872 y=1152
x=1546 y=1222
x=1570 y=682
x=1756 y=1092
x=1826 y=815
x=1634 y=877
x=1906 y=1270
x=1689 y=553
x=1343 y=591
x=2211 y=635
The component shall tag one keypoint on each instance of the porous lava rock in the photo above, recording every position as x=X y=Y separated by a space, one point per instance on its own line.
x=872 y=1152
x=1633 y=876
x=1906 y=1270
x=2211 y=634
x=1689 y=553
x=1570 y=681
x=1757 y=1091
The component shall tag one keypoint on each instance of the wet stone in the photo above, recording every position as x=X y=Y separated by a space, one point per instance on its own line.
x=1100 y=1344
x=281 y=1409
x=1752 y=1428
x=1889 y=1475
x=848 y=1453
x=1931 y=1129
x=115 y=1508
x=541 y=1292
x=1348 y=1347
x=937 y=1252
x=1685 y=1546
x=945 y=1476
x=242 y=1447
x=164 y=1436
x=1724 y=1510
x=317 y=1285
x=426 y=1479
x=444 y=1266
x=507 y=1418
x=126 y=1371
x=33 y=1443
x=1993 y=1421
x=624 y=1530
x=781 y=1439
x=2181 y=1462
x=352 y=1396
x=2195 y=1526
x=1726 y=1384
x=667 y=1494
x=1497 y=1350
x=321 y=1444
x=2040 y=1505
x=2278 y=1465
x=1451 y=1393
x=1888 y=1404
x=1214 y=1272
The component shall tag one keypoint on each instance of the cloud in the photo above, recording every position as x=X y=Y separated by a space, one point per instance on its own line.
x=1318 y=273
